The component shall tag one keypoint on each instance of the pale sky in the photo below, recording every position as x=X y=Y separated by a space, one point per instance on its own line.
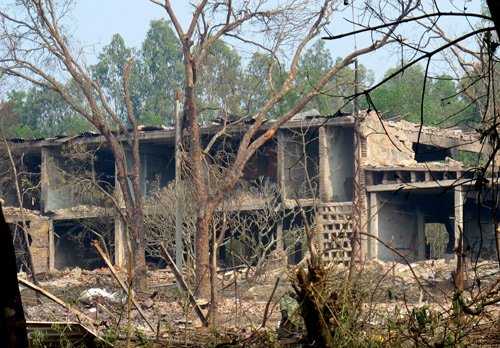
x=96 y=21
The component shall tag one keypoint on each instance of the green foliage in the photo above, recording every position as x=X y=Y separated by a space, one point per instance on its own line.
x=390 y=294
x=219 y=80
x=111 y=334
x=40 y=113
x=257 y=89
x=313 y=65
x=442 y=105
x=24 y=132
x=160 y=72
x=420 y=316
x=37 y=338
x=472 y=158
x=109 y=72
x=290 y=310
x=437 y=236
x=226 y=88
x=63 y=331
x=156 y=71
x=143 y=340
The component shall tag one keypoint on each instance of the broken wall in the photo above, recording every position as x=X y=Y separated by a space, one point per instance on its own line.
x=385 y=145
x=405 y=214
x=391 y=143
x=69 y=179
x=398 y=222
x=39 y=231
x=28 y=170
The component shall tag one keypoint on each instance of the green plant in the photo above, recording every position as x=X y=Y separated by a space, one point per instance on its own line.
x=63 y=330
x=170 y=330
x=420 y=316
x=111 y=334
x=216 y=335
x=142 y=339
x=37 y=338
x=272 y=338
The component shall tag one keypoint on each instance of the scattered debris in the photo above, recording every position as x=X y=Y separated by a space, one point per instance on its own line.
x=240 y=312
x=124 y=287
x=90 y=296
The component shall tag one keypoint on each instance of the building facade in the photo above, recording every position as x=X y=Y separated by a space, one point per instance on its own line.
x=411 y=177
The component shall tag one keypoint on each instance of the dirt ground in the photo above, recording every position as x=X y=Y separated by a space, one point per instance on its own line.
x=389 y=288
x=98 y=296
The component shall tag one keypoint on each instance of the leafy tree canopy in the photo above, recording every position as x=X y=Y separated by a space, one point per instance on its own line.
x=442 y=104
x=227 y=88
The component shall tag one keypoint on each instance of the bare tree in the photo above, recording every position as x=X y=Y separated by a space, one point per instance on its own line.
x=37 y=48
x=161 y=220
x=274 y=28
x=472 y=58
x=77 y=174
x=255 y=230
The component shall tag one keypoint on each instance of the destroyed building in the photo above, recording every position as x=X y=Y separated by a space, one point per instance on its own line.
x=412 y=178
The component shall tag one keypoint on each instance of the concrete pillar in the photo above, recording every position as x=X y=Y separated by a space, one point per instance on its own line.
x=55 y=193
x=52 y=247
x=39 y=233
x=420 y=236
x=373 y=226
x=120 y=237
x=325 y=181
x=44 y=179
x=459 y=214
x=120 y=243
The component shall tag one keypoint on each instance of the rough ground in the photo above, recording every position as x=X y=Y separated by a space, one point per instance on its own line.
x=240 y=316
x=390 y=291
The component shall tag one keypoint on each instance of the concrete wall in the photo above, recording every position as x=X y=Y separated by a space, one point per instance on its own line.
x=39 y=231
x=55 y=192
x=479 y=228
x=340 y=149
x=404 y=216
x=61 y=186
x=386 y=145
x=394 y=221
x=157 y=166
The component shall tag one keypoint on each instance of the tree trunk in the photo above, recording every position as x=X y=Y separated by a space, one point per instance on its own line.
x=202 y=254
x=205 y=206
x=212 y=312
x=139 y=252
x=317 y=308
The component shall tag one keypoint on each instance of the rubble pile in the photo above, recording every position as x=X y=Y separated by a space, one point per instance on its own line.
x=95 y=297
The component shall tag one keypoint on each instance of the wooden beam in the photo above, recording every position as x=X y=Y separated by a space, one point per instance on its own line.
x=183 y=285
x=122 y=284
x=82 y=317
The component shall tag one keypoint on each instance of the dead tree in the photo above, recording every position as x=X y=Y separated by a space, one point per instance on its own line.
x=215 y=20
x=36 y=48
x=255 y=230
